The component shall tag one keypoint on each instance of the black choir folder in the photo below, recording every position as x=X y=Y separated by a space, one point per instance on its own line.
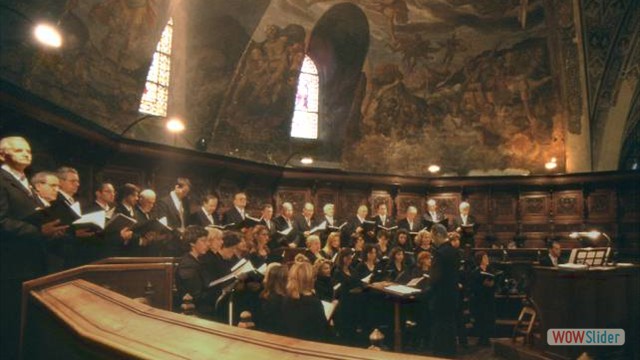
x=59 y=210
x=389 y=229
x=97 y=221
x=248 y=222
x=368 y=225
x=430 y=223
x=336 y=228
x=467 y=229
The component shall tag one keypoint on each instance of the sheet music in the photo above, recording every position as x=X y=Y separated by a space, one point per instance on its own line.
x=415 y=281
x=242 y=267
x=367 y=279
x=322 y=226
x=99 y=218
x=402 y=289
x=329 y=308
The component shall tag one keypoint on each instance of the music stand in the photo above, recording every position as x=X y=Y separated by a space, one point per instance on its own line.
x=590 y=256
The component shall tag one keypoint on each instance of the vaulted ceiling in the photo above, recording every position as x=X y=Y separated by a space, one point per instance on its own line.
x=477 y=86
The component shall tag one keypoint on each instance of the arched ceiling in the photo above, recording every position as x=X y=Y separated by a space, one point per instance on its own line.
x=477 y=86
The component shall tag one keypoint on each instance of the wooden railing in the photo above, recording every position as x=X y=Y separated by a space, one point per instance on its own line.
x=89 y=320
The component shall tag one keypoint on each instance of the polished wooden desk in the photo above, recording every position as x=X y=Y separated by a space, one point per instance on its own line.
x=78 y=319
x=594 y=298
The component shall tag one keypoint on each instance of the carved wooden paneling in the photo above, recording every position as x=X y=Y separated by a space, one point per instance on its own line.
x=163 y=184
x=256 y=198
x=378 y=197
x=568 y=205
x=479 y=206
x=297 y=197
x=403 y=201
x=201 y=186
x=448 y=203
x=226 y=190
x=601 y=205
x=350 y=200
x=630 y=204
x=503 y=208
x=534 y=207
x=119 y=175
x=326 y=196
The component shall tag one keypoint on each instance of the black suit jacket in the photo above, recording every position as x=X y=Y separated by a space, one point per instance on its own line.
x=417 y=225
x=166 y=208
x=301 y=224
x=546 y=261
x=201 y=219
x=388 y=221
x=427 y=219
x=232 y=216
x=22 y=248
x=281 y=225
x=464 y=237
x=349 y=229
x=457 y=221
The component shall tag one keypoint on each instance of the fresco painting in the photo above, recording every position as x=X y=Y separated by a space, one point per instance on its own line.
x=464 y=84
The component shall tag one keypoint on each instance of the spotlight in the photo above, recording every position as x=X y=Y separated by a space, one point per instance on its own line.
x=551 y=164
x=48 y=35
x=434 y=169
x=306 y=160
x=175 y=125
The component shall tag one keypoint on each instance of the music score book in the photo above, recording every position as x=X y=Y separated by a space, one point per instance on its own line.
x=415 y=281
x=319 y=228
x=248 y=222
x=337 y=228
x=402 y=289
x=388 y=228
x=241 y=267
x=153 y=225
x=467 y=229
x=329 y=308
x=59 y=210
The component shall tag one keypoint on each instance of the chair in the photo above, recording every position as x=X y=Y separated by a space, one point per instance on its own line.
x=525 y=325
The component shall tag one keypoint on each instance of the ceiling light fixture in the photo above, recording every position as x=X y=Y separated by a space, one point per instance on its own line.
x=434 y=169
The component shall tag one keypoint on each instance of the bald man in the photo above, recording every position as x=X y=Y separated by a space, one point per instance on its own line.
x=306 y=221
x=283 y=222
x=22 y=248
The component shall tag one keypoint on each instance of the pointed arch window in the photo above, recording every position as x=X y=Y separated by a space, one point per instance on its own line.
x=156 y=90
x=304 y=123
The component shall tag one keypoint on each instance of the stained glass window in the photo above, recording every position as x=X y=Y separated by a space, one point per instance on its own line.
x=156 y=90
x=305 y=114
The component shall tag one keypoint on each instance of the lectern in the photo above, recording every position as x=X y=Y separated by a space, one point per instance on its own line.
x=597 y=297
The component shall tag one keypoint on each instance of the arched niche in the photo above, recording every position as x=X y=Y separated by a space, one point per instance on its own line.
x=338 y=45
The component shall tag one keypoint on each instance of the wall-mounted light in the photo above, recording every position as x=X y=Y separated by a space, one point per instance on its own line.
x=306 y=160
x=433 y=168
x=47 y=35
x=551 y=164
x=175 y=125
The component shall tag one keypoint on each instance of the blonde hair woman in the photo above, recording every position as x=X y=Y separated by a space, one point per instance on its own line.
x=304 y=314
x=332 y=246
